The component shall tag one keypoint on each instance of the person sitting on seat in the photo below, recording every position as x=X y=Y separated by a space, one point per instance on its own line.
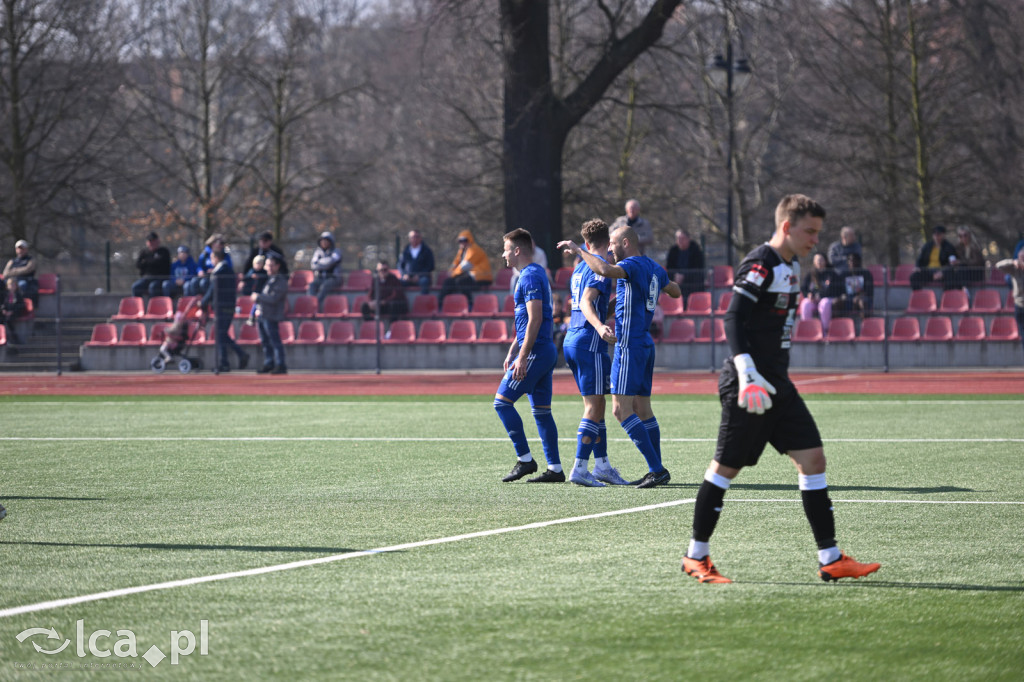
x=326 y=267
x=471 y=269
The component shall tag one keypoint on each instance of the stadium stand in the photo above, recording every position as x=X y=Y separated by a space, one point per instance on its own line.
x=310 y=332
x=953 y=302
x=807 y=331
x=841 y=329
x=341 y=331
x=462 y=331
x=698 y=304
x=704 y=336
x=431 y=331
x=906 y=329
x=939 y=328
x=922 y=302
x=129 y=308
x=970 y=328
x=672 y=307
x=424 y=305
x=680 y=331
x=872 y=329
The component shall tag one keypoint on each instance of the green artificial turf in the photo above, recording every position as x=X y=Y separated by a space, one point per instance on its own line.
x=115 y=493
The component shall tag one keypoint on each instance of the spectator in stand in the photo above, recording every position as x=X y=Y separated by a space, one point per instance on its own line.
x=416 y=264
x=326 y=267
x=685 y=264
x=969 y=267
x=11 y=308
x=183 y=269
x=387 y=290
x=471 y=269
x=817 y=291
x=641 y=227
x=220 y=295
x=855 y=294
x=1014 y=268
x=839 y=251
x=154 y=264
x=200 y=284
x=270 y=311
x=935 y=261
x=22 y=269
x=256 y=277
x=264 y=246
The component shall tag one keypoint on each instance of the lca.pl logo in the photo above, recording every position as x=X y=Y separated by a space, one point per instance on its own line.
x=182 y=643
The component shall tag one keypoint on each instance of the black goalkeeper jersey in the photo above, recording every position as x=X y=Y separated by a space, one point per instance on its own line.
x=763 y=310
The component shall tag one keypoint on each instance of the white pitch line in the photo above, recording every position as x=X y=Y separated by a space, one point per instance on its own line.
x=452 y=439
x=186 y=582
x=125 y=591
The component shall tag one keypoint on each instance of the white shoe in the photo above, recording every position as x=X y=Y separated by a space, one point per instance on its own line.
x=610 y=476
x=584 y=478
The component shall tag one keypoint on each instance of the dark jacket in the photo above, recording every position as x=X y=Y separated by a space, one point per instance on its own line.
x=273 y=297
x=926 y=251
x=690 y=259
x=420 y=265
x=221 y=293
x=257 y=251
x=154 y=263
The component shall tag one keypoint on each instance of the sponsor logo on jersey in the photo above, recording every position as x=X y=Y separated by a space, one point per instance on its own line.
x=757 y=274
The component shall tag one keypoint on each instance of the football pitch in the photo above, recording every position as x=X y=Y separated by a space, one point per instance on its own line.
x=371 y=538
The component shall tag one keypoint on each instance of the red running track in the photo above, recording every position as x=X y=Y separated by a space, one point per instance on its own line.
x=483 y=383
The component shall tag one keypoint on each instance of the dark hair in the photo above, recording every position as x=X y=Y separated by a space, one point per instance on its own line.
x=519 y=237
x=595 y=231
x=796 y=206
x=266 y=237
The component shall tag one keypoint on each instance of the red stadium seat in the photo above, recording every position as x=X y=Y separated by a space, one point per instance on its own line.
x=970 y=329
x=872 y=329
x=455 y=305
x=906 y=329
x=1004 y=329
x=431 y=331
x=369 y=332
x=938 y=328
x=807 y=331
x=401 y=331
x=723 y=302
x=304 y=307
x=299 y=281
x=3 y=335
x=287 y=330
x=335 y=306
x=722 y=276
x=493 y=331
x=671 y=306
x=157 y=333
x=680 y=331
x=563 y=278
x=698 y=304
x=248 y=334
x=922 y=302
x=104 y=334
x=341 y=331
x=877 y=274
x=462 y=331
x=485 y=305
x=424 y=305
x=356 y=309
x=841 y=329
x=159 y=308
x=358 y=280
x=705 y=331
x=133 y=334
x=243 y=307
x=503 y=280
x=953 y=302
x=508 y=307
x=310 y=332
x=47 y=282
x=1008 y=307
x=986 y=301
x=130 y=308
x=900 y=275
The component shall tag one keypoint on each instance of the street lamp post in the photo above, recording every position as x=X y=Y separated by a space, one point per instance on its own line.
x=733 y=74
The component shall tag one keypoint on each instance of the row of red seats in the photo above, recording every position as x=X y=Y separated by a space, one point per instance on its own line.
x=313 y=332
x=872 y=330
x=957 y=302
x=361 y=281
x=132 y=308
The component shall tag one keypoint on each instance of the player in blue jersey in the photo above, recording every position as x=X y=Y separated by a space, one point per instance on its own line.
x=529 y=364
x=758 y=325
x=586 y=354
x=640 y=282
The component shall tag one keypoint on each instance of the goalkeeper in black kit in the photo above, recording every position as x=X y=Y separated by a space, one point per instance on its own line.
x=760 y=404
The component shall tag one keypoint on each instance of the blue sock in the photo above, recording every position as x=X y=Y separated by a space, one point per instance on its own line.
x=588 y=429
x=601 y=444
x=548 y=435
x=654 y=431
x=513 y=424
x=638 y=434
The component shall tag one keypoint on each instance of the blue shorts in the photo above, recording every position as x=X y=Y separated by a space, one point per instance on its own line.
x=537 y=383
x=633 y=369
x=592 y=370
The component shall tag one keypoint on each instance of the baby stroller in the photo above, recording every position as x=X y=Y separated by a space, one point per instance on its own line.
x=177 y=340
